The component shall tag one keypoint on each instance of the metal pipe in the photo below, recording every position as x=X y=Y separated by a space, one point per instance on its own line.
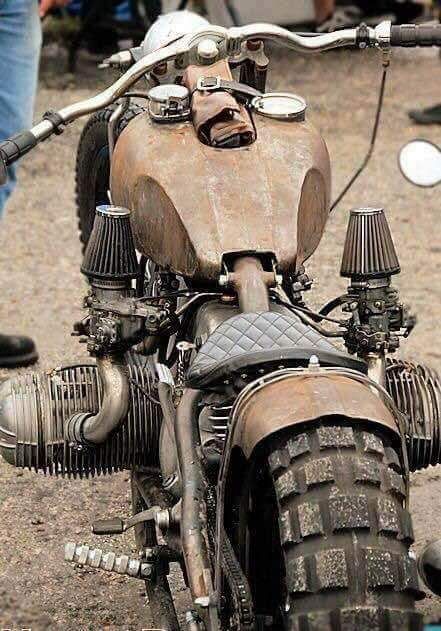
x=251 y=284
x=193 y=541
x=376 y=367
x=122 y=108
x=86 y=428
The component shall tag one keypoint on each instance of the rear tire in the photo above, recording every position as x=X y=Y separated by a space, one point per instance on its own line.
x=344 y=532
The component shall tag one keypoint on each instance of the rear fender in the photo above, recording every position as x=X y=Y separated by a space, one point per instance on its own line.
x=290 y=398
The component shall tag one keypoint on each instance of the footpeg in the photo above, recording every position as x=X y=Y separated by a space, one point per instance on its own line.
x=108 y=526
x=163 y=518
x=109 y=562
x=116 y=525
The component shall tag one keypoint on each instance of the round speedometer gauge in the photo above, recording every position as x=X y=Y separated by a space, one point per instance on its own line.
x=280 y=105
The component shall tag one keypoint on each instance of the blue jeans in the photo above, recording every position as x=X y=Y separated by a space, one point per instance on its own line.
x=20 y=44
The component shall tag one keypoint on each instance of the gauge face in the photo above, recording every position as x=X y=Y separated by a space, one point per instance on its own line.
x=163 y=93
x=281 y=105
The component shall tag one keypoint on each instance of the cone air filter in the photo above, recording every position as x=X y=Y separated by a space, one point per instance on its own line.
x=110 y=252
x=369 y=251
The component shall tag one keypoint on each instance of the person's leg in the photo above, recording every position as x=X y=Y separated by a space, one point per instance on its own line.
x=20 y=43
x=323 y=9
x=429 y=115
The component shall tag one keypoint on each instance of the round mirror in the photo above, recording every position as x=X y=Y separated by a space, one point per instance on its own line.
x=420 y=163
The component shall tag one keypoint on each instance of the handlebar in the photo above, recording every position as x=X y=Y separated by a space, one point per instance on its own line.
x=230 y=44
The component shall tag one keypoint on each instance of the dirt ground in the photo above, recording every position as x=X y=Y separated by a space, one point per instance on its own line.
x=42 y=288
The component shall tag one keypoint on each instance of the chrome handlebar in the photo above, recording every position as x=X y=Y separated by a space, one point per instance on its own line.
x=230 y=42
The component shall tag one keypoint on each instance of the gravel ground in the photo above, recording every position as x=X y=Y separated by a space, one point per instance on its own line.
x=42 y=290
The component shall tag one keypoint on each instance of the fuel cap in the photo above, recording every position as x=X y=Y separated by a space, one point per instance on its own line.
x=281 y=106
x=169 y=103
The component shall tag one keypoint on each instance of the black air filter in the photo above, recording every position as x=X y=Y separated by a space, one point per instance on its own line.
x=369 y=250
x=110 y=252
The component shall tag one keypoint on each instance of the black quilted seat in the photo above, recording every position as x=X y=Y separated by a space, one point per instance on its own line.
x=249 y=340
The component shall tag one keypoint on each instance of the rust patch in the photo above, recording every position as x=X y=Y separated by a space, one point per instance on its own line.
x=191 y=203
x=299 y=399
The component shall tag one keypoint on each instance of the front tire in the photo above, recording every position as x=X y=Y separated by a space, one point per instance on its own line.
x=92 y=174
x=344 y=532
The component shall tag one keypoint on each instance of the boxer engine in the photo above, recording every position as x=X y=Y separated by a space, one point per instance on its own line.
x=35 y=408
x=70 y=422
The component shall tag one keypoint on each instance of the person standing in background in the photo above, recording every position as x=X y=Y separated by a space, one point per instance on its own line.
x=20 y=45
x=324 y=9
x=429 y=115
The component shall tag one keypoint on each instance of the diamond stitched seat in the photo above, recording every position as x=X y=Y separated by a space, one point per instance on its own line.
x=252 y=339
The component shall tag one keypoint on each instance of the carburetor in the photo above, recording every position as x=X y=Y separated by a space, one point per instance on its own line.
x=379 y=318
x=117 y=318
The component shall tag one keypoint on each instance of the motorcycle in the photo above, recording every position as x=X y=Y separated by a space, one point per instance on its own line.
x=270 y=464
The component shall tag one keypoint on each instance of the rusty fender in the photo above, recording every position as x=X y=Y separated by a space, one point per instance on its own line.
x=288 y=398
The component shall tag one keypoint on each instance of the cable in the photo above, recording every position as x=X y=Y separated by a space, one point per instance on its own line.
x=371 y=146
x=319 y=316
x=307 y=320
x=333 y=304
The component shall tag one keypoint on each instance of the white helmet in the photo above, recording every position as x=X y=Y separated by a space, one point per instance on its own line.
x=169 y=27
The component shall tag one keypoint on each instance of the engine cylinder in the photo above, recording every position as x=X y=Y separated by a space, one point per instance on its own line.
x=416 y=391
x=35 y=408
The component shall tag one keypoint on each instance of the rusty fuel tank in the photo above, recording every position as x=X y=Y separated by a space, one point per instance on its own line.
x=192 y=203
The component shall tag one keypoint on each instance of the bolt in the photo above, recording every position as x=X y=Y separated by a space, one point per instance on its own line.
x=192 y=621
x=207 y=50
x=146 y=570
x=254 y=44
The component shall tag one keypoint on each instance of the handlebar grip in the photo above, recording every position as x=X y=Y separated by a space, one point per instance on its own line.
x=16 y=147
x=413 y=35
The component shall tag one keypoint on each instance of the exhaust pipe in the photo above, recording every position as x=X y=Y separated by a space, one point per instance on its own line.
x=36 y=408
x=85 y=428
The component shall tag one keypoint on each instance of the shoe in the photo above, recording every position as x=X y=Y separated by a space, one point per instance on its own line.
x=16 y=351
x=343 y=17
x=349 y=17
x=428 y=116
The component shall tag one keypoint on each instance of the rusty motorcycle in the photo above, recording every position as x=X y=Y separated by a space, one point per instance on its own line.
x=270 y=464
